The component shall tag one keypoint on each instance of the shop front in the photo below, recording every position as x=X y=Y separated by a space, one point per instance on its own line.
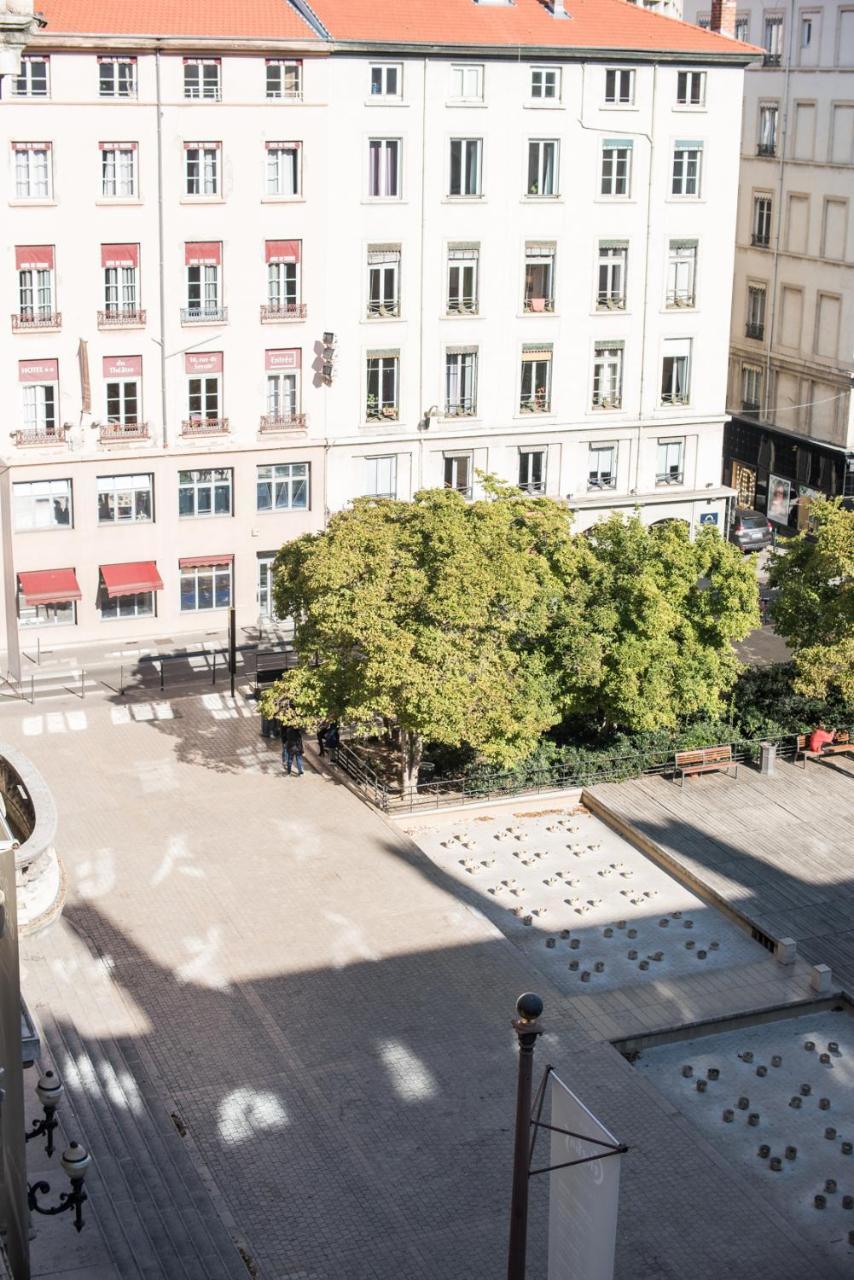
x=779 y=474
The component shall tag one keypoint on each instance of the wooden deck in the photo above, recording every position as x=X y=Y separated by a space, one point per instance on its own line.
x=778 y=851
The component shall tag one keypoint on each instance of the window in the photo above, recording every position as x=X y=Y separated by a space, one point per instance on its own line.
x=687 y=162
x=125 y=499
x=138 y=605
x=682 y=273
x=751 y=388
x=202 y=168
x=768 y=112
x=117 y=77
x=206 y=586
x=619 y=86
x=691 y=88
x=118 y=170
x=755 y=326
x=465 y=167
x=32 y=81
x=383 y=374
x=283 y=390
x=458 y=473
x=386 y=80
x=542 y=167
x=669 y=457
x=742 y=29
x=42 y=504
x=120 y=289
x=761 y=234
x=545 y=84
x=381 y=476
x=384 y=168
x=283 y=79
x=264 y=585
x=283 y=487
x=57 y=613
x=532 y=470
x=535 y=394
x=602 y=466
x=539 y=277
x=205 y=493
x=36 y=302
x=39 y=406
x=383 y=280
x=612 y=275
x=461 y=383
x=203 y=398
x=32 y=170
x=202 y=78
x=463 y=260
x=808 y=41
x=283 y=169
x=608 y=375
x=123 y=401
x=204 y=300
x=675 y=371
x=616 y=167
x=773 y=39
x=467 y=82
x=283 y=284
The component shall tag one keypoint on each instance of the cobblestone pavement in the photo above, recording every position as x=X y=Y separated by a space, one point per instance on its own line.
x=281 y=1024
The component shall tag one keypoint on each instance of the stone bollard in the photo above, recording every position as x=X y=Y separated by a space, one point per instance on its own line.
x=785 y=951
x=820 y=979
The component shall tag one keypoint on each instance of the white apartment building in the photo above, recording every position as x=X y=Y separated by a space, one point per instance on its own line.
x=272 y=259
x=792 y=344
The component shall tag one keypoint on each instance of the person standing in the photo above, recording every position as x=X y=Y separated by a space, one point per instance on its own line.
x=292 y=749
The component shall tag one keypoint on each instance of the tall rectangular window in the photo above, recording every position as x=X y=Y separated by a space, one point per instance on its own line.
x=612 y=275
x=118 y=170
x=772 y=38
x=670 y=462
x=545 y=84
x=33 y=80
x=283 y=79
x=755 y=326
x=201 y=160
x=751 y=388
x=682 y=273
x=123 y=401
x=36 y=301
x=283 y=486
x=458 y=473
x=33 y=179
x=532 y=470
x=467 y=82
x=206 y=586
x=120 y=291
x=205 y=492
x=283 y=388
x=202 y=78
x=535 y=394
x=384 y=168
x=542 y=167
x=125 y=499
x=383 y=280
x=742 y=29
x=687 y=165
x=691 y=88
x=768 y=113
x=461 y=382
x=463 y=262
x=203 y=399
x=283 y=169
x=117 y=77
x=602 y=466
x=607 y=375
x=761 y=230
x=203 y=293
x=382 y=389
x=619 y=86
x=616 y=167
x=465 y=170
x=386 y=79
x=39 y=405
x=42 y=504
x=539 y=277
x=676 y=371
x=282 y=286
x=381 y=476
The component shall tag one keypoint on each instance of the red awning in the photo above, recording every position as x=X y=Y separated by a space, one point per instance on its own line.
x=203 y=562
x=49 y=586
x=128 y=579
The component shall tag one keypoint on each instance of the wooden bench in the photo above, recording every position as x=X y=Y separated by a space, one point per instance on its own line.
x=704 y=760
x=831 y=749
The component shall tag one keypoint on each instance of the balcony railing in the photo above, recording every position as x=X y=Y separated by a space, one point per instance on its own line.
x=124 y=318
x=771 y=59
x=204 y=427
x=537 y=403
x=602 y=481
x=680 y=298
x=674 y=397
x=750 y=406
x=462 y=306
x=282 y=422
x=382 y=413
x=204 y=315
x=270 y=313
x=608 y=402
x=538 y=304
x=387 y=310
x=754 y=330
x=534 y=487
x=40 y=437
x=669 y=477
x=766 y=149
x=36 y=320
x=611 y=302
x=464 y=408
x=115 y=432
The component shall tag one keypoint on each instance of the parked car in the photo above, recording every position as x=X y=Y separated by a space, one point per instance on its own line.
x=750 y=530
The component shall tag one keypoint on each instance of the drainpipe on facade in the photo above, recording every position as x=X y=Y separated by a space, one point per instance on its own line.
x=422 y=415
x=160 y=250
x=775 y=268
x=651 y=139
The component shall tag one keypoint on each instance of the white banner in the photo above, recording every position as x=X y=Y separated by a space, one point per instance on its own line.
x=583 y=1199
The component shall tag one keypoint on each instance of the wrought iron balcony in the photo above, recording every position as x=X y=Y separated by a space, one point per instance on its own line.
x=537 y=403
x=204 y=315
x=608 y=402
x=36 y=320
x=604 y=480
x=462 y=306
x=674 y=397
x=766 y=149
x=751 y=407
x=611 y=302
x=121 y=318
x=386 y=310
x=760 y=239
x=683 y=298
x=538 y=304
x=204 y=427
x=754 y=330
x=771 y=59
x=115 y=432
x=41 y=437
x=464 y=408
x=273 y=312
x=282 y=422
x=669 y=477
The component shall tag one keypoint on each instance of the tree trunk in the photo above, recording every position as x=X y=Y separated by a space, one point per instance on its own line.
x=411 y=749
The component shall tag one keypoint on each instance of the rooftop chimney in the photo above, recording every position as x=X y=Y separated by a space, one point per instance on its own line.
x=723 y=18
x=559 y=9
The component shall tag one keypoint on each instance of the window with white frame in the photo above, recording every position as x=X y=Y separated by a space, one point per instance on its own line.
x=687 y=164
x=117 y=77
x=54 y=613
x=676 y=371
x=612 y=275
x=539 y=293
x=619 y=86
x=545 y=84
x=283 y=395
x=542 y=167
x=120 y=290
x=283 y=169
x=809 y=26
x=458 y=473
x=33 y=80
x=461 y=382
x=381 y=476
x=467 y=82
x=201 y=165
x=681 y=288
x=384 y=280
x=602 y=466
x=669 y=464
x=607 y=375
x=751 y=388
x=386 y=79
x=39 y=407
x=42 y=504
x=283 y=486
x=535 y=392
x=118 y=170
x=203 y=292
x=755 y=325
x=616 y=167
x=384 y=168
x=772 y=38
x=283 y=79
x=382 y=386
x=464 y=178
x=264 y=585
x=532 y=470
x=761 y=229
x=768 y=117
x=691 y=88
x=283 y=291
x=742 y=28
x=206 y=587
x=204 y=398
x=202 y=79
x=36 y=293
x=33 y=179
x=463 y=261
x=139 y=604
x=123 y=401
x=205 y=492
x=125 y=499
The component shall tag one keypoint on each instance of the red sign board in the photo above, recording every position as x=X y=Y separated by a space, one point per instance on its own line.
x=283 y=250
x=205 y=253
x=34 y=257
x=203 y=362
x=290 y=358
x=119 y=255
x=122 y=366
x=38 y=370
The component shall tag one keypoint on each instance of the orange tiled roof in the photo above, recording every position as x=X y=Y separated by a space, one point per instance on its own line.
x=249 y=19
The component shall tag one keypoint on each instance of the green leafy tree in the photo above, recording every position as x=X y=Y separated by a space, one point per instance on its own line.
x=814 y=607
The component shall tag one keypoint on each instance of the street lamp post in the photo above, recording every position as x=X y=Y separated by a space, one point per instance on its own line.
x=529 y=1007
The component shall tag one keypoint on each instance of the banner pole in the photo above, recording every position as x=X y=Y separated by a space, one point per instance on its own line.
x=529 y=1007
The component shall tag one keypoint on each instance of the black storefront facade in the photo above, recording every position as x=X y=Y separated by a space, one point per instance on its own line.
x=778 y=473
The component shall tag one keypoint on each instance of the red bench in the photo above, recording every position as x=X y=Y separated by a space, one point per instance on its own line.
x=703 y=760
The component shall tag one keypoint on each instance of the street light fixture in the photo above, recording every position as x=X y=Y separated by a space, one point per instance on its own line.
x=75 y=1161
x=50 y=1090
x=529 y=1007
